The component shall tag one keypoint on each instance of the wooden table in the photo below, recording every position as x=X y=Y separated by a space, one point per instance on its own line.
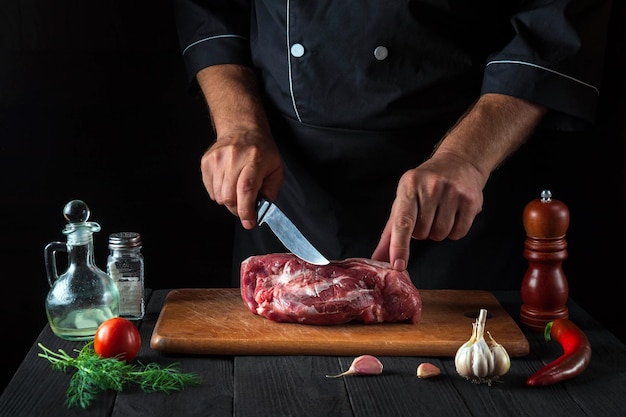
x=250 y=386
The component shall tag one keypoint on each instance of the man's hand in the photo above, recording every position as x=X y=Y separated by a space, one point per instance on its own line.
x=239 y=165
x=244 y=159
x=441 y=198
x=437 y=200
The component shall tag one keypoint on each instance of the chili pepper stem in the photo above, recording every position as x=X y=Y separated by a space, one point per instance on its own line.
x=547 y=331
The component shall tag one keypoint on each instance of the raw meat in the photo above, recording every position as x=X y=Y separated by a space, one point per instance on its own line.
x=284 y=288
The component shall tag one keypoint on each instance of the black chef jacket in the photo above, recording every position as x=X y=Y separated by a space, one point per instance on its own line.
x=358 y=92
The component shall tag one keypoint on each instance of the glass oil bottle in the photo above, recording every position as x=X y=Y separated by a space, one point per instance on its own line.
x=83 y=296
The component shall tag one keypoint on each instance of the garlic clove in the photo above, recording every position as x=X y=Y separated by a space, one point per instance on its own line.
x=502 y=360
x=427 y=370
x=362 y=365
x=367 y=365
x=482 y=363
x=462 y=360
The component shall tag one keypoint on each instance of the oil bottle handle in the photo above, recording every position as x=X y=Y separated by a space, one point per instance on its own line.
x=50 y=259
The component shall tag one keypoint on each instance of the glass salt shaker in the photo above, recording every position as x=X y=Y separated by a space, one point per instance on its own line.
x=83 y=296
x=125 y=265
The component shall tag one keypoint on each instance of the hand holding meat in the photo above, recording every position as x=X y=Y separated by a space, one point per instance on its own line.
x=441 y=198
x=437 y=200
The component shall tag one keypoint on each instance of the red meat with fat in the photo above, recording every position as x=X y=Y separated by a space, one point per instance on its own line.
x=284 y=288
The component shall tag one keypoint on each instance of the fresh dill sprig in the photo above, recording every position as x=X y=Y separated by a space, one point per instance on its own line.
x=95 y=374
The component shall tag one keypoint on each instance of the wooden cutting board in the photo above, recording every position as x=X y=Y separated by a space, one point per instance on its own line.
x=216 y=321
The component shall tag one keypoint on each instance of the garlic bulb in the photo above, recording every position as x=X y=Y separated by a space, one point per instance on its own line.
x=478 y=361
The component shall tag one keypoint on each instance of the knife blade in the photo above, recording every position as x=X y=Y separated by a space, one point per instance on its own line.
x=287 y=232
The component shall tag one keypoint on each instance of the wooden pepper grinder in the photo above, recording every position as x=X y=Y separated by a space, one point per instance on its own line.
x=544 y=287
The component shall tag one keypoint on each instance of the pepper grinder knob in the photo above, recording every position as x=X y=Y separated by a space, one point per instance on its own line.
x=544 y=287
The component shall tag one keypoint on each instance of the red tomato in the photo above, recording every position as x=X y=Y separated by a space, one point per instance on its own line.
x=117 y=337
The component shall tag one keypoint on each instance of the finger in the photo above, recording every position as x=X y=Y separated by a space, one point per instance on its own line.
x=214 y=183
x=227 y=194
x=462 y=224
x=403 y=217
x=381 y=253
x=214 y=171
x=442 y=223
x=425 y=212
x=272 y=183
x=248 y=185
x=207 y=176
x=459 y=230
x=461 y=216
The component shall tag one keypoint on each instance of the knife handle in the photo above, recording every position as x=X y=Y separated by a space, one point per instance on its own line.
x=261 y=208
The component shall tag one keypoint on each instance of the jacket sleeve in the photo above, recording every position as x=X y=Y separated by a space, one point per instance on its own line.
x=212 y=32
x=555 y=59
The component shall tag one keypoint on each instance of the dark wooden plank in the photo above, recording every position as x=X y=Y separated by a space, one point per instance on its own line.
x=599 y=391
x=297 y=385
x=399 y=392
x=509 y=396
x=214 y=397
x=276 y=386
x=38 y=390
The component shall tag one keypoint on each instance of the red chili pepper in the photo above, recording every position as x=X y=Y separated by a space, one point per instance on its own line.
x=574 y=360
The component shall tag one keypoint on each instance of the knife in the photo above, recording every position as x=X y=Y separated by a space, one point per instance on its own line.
x=287 y=232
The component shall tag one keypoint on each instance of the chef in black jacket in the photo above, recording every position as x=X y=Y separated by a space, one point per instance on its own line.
x=382 y=128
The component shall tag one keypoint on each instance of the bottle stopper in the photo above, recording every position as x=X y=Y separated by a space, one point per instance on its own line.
x=78 y=229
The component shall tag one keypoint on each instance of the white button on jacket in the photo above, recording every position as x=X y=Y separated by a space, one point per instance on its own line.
x=381 y=53
x=297 y=50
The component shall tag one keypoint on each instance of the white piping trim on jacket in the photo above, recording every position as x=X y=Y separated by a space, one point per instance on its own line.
x=210 y=38
x=293 y=98
x=530 y=64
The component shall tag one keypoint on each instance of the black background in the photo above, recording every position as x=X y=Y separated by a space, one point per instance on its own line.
x=93 y=106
